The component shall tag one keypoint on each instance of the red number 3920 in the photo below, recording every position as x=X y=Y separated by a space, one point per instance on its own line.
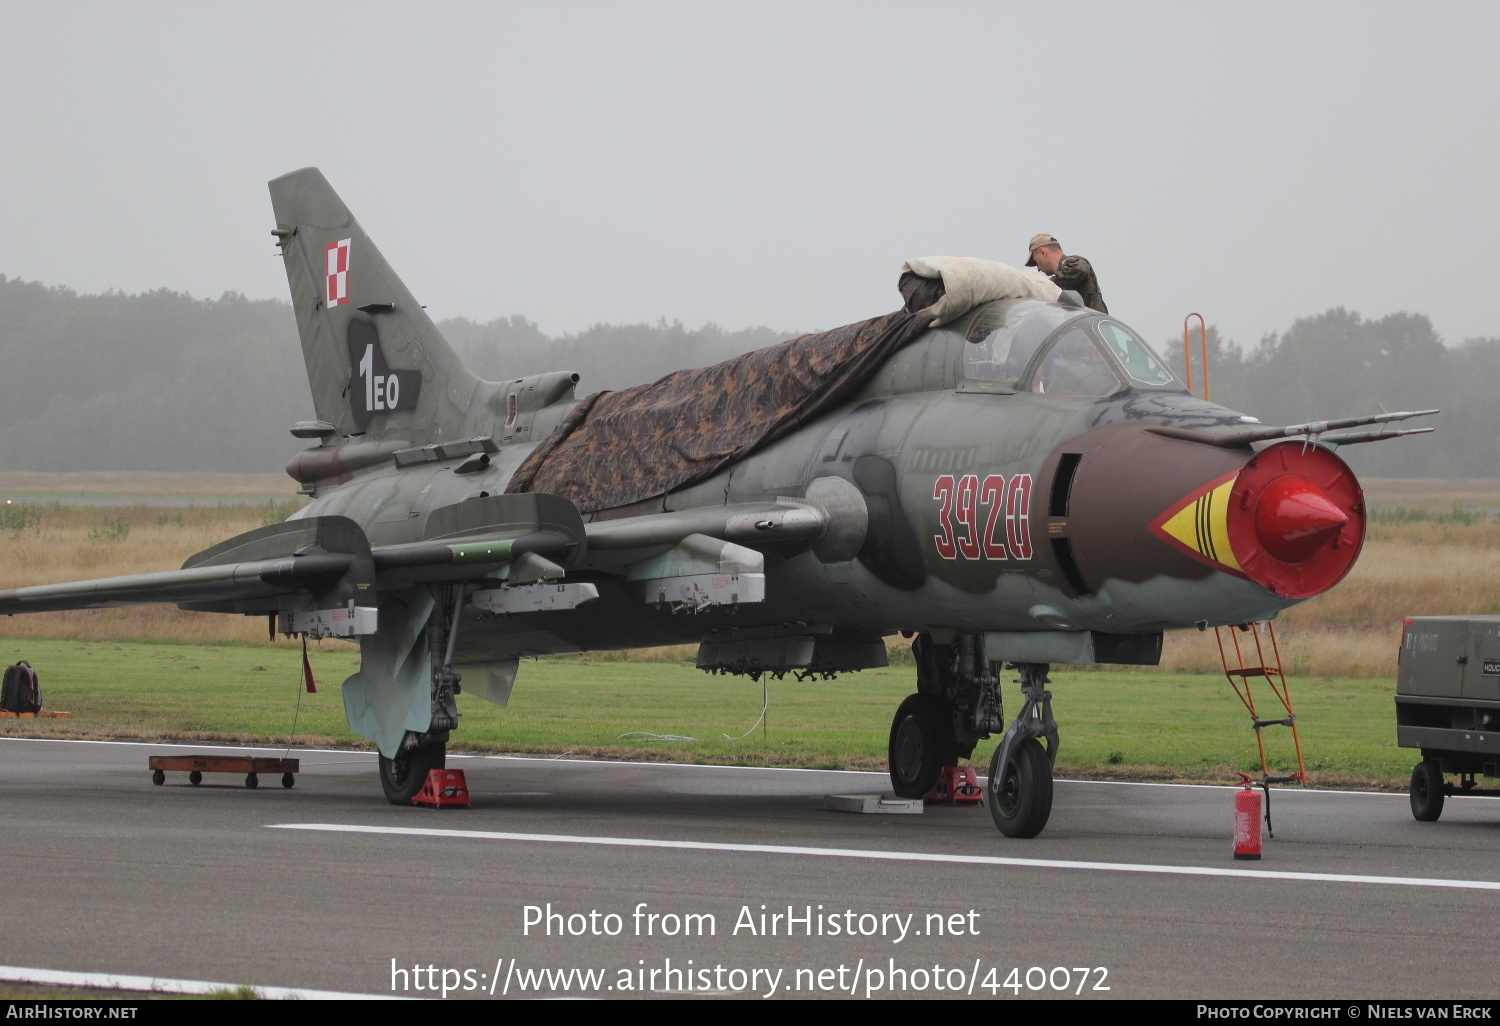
x=960 y=533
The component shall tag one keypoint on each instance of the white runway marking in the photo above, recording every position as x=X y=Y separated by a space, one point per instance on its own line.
x=150 y=984
x=900 y=856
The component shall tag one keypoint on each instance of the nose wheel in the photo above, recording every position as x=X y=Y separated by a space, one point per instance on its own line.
x=1020 y=787
x=1021 y=790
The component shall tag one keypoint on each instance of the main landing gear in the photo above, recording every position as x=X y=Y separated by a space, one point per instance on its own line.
x=957 y=704
x=402 y=777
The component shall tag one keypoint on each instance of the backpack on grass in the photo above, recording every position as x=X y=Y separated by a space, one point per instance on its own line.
x=19 y=692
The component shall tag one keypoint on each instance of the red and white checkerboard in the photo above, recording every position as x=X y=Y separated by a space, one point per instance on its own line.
x=338 y=272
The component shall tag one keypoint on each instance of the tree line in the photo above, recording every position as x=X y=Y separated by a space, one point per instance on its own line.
x=163 y=381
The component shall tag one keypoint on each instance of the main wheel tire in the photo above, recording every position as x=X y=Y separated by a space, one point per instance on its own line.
x=1427 y=790
x=195 y=778
x=921 y=745
x=1020 y=796
x=402 y=777
x=158 y=777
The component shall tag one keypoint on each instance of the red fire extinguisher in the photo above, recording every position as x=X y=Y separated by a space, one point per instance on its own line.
x=1246 y=821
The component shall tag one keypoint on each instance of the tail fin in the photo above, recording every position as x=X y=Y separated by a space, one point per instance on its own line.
x=377 y=364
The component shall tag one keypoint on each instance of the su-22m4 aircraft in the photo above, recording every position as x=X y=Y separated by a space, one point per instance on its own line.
x=1016 y=479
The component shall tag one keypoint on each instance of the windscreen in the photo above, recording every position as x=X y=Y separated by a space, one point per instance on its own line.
x=1140 y=362
x=1073 y=366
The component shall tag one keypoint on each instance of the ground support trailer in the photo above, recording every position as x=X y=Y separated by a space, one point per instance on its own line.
x=1448 y=705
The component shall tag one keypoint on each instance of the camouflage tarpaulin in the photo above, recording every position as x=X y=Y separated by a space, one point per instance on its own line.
x=618 y=448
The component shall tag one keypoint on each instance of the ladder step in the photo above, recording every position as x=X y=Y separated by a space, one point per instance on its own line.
x=1251 y=671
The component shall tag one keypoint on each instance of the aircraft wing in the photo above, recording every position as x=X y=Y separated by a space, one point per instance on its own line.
x=257 y=579
x=320 y=564
x=322 y=575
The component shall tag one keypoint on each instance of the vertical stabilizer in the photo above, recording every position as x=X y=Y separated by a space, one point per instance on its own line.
x=377 y=365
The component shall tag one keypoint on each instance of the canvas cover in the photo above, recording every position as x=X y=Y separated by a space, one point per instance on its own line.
x=619 y=448
x=969 y=282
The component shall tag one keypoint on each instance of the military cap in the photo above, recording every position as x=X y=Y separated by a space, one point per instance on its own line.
x=1037 y=242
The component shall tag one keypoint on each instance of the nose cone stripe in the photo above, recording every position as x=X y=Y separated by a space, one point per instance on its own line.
x=1199 y=525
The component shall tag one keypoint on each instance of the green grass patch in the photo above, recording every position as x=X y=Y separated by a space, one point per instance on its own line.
x=1143 y=726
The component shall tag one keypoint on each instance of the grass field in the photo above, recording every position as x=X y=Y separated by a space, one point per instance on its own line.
x=207 y=488
x=156 y=672
x=1159 y=726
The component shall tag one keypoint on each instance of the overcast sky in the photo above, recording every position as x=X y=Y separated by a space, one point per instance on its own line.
x=769 y=163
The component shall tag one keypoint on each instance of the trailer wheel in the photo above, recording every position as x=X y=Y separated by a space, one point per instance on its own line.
x=158 y=777
x=1427 y=790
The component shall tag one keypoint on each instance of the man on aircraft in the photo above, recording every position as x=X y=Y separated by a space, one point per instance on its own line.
x=1066 y=272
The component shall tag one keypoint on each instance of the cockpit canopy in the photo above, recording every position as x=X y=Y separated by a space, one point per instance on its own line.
x=1053 y=349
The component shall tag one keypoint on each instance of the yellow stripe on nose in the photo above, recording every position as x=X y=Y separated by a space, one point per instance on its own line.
x=1203 y=526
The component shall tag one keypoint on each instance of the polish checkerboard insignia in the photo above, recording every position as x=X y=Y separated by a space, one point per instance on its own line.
x=338 y=272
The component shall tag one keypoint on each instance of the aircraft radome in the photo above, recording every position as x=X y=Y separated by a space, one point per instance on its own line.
x=1014 y=478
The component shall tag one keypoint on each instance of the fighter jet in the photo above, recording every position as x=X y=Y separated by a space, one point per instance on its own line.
x=1009 y=477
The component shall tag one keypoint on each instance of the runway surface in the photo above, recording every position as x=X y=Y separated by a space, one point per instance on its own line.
x=1131 y=887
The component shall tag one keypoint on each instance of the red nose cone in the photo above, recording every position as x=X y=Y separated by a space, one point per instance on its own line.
x=1295 y=520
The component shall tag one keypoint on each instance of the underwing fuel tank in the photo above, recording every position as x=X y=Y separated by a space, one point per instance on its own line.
x=1134 y=513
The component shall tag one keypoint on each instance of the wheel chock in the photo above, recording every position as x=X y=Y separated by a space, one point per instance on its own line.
x=444 y=787
x=956 y=785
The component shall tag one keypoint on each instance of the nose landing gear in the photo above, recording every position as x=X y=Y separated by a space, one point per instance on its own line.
x=1021 y=769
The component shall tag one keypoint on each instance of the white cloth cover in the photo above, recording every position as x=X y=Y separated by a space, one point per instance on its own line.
x=969 y=282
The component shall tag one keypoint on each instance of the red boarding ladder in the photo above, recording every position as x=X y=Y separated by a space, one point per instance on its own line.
x=1240 y=674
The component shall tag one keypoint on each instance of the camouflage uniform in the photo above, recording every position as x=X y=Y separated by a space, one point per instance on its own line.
x=1077 y=274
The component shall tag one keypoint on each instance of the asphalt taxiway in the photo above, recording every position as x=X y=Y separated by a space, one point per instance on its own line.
x=326 y=887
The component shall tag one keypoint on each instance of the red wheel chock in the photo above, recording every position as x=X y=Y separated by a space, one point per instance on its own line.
x=956 y=786
x=444 y=787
